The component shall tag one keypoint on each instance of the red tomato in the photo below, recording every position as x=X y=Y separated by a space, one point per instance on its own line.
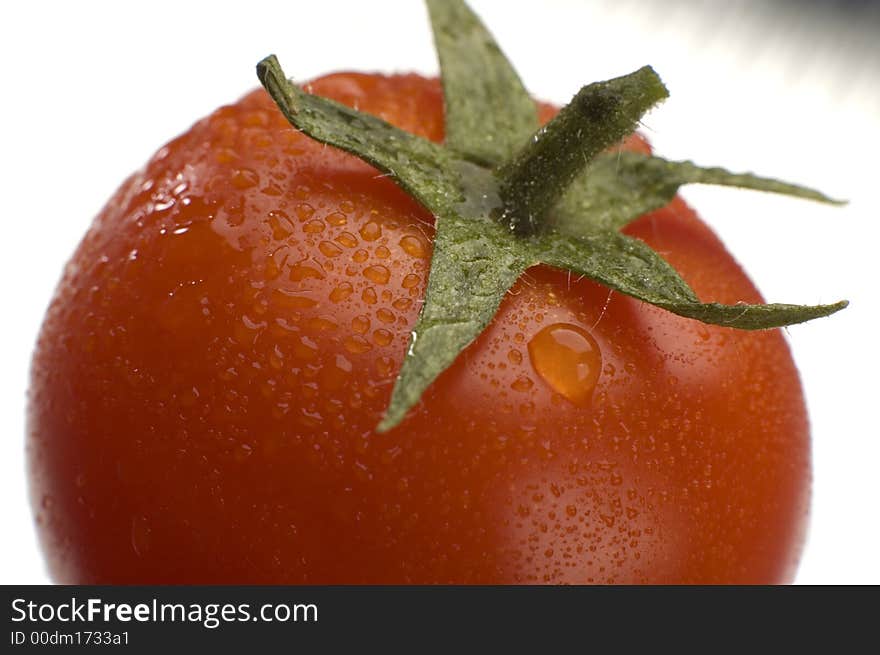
x=225 y=339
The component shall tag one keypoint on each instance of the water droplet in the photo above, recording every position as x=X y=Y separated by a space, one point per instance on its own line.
x=522 y=383
x=278 y=222
x=304 y=211
x=244 y=178
x=567 y=357
x=313 y=227
x=378 y=274
x=272 y=270
x=360 y=324
x=370 y=231
x=283 y=300
x=223 y=155
x=300 y=272
x=347 y=239
x=413 y=246
x=356 y=344
x=336 y=219
x=329 y=249
x=385 y=315
x=162 y=204
x=382 y=337
x=411 y=281
x=341 y=292
x=384 y=367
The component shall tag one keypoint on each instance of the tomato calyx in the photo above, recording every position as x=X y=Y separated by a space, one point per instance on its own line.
x=508 y=194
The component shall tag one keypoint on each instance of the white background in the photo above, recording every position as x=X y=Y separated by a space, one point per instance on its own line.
x=91 y=90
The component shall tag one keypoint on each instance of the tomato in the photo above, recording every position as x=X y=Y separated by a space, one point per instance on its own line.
x=225 y=339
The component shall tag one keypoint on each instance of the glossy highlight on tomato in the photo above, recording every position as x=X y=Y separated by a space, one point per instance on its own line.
x=225 y=339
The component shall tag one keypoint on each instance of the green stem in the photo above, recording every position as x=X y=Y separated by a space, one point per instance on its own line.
x=599 y=116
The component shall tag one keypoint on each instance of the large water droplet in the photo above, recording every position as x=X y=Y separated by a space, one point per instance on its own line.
x=567 y=357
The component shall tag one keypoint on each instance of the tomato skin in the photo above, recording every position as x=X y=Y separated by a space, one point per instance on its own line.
x=225 y=339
